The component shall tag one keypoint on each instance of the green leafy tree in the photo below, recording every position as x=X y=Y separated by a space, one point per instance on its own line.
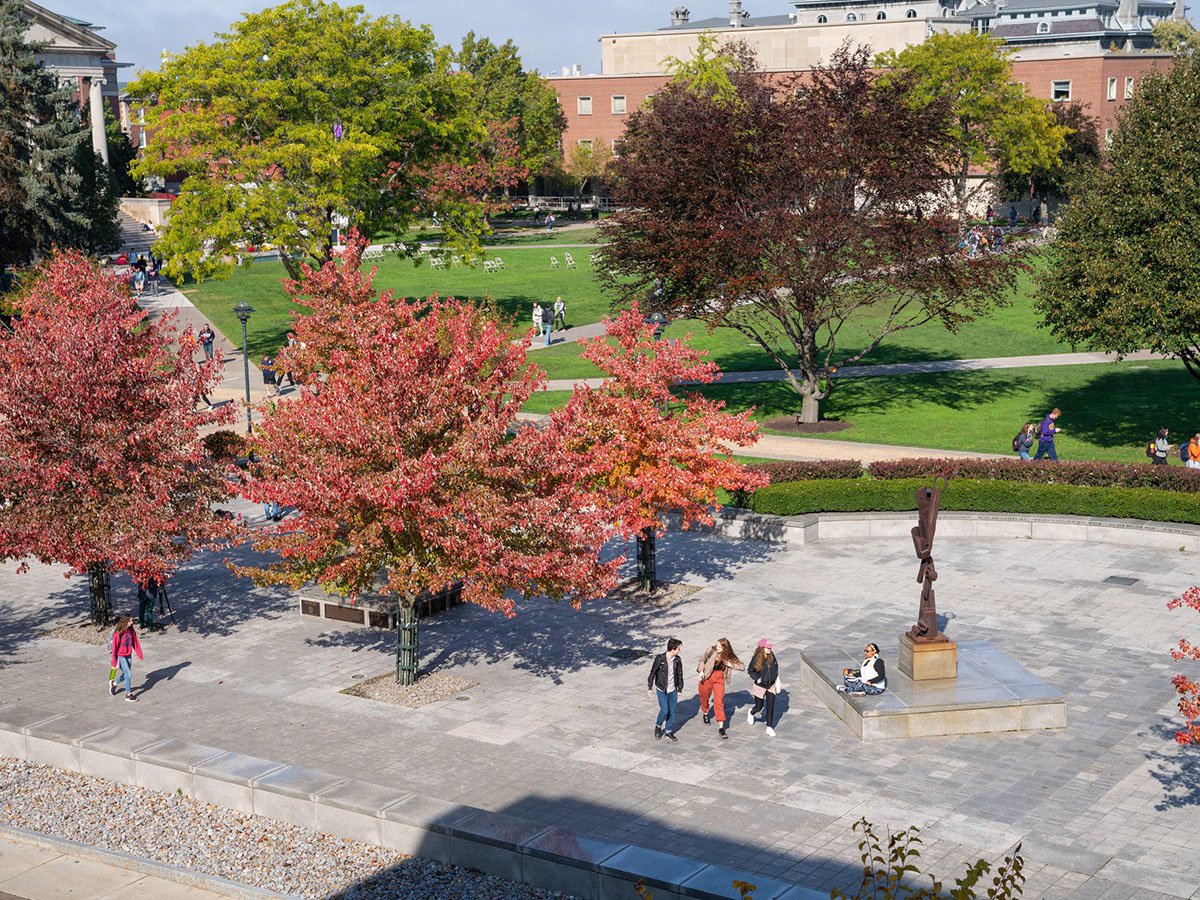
x=121 y=157
x=1122 y=275
x=995 y=122
x=1176 y=36
x=583 y=167
x=97 y=198
x=301 y=113
x=503 y=91
x=39 y=141
x=1082 y=149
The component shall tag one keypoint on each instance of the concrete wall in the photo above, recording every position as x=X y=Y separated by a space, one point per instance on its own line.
x=147 y=210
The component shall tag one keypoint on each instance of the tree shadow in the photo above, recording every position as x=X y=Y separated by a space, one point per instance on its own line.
x=1176 y=769
x=550 y=639
x=1126 y=407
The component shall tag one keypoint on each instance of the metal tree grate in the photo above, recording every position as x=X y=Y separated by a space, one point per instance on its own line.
x=1122 y=580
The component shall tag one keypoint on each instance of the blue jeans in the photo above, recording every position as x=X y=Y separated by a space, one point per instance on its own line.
x=547 y=329
x=666 y=709
x=271 y=509
x=857 y=684
x=125 y=664
x=1046 y=448
x=1023 y=453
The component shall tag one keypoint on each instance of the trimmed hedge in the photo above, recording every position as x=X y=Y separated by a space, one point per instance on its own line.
x=804 y=471
x=1090 y=474
x=966 y=494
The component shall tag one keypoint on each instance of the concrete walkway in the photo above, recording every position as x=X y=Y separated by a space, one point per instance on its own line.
x=29 y=872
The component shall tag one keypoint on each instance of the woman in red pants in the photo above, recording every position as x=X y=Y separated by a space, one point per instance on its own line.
x=715 y=667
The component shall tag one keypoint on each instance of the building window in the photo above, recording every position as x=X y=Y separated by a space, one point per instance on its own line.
x=1112 y=89
x=821 y=20
x=1060 y=90
x=585 y=106
x=617 y=144
x=881 y=15
x=142 y=139
x=911 y=14
x=141 y=115
x=585 y=144
x=618 y=105
x=1108 y=138
x=851 y=17
x=1129 y=88
x=1043 y=28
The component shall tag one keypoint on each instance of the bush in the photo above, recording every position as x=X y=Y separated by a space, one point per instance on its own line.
x=1090 y=474
x=899 y=495
x=803 y=471
x=224 y=444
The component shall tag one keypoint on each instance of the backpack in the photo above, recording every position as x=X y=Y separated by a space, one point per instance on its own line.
x=1017 y=442
x=1150 y=450
x=1183 y=452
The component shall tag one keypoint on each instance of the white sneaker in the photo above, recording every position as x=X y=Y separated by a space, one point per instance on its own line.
x=841 y=689
x=770 y=731
x=749 y=717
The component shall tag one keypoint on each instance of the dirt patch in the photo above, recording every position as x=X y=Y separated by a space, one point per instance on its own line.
x=87 y=633
x=429 y=689
x=788 y=424
x=631 y=592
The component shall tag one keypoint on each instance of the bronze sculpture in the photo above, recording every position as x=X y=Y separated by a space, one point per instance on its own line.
x=928 y=500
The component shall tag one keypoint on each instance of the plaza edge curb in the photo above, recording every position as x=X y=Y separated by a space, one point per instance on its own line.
x=541 y=855
x=120 y=860
x=812 y=527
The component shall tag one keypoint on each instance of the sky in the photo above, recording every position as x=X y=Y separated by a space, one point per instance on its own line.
x=550 y=33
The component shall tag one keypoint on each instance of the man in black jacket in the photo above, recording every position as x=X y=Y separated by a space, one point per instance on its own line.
x=664 y=681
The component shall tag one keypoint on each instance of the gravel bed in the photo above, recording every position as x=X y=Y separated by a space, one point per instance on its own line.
x=253 y=850
x=630 y=591
x=429 y=689
x=87 y=633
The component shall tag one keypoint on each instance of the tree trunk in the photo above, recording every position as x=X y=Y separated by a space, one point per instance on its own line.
x=408 y=641
x=810 y=409
x=100 y=587
x=647 y=562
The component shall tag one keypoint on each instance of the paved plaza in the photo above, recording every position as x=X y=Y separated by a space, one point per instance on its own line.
x=560 y=730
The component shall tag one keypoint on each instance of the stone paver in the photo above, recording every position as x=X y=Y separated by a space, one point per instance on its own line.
x=36 y=873
x=559 y=731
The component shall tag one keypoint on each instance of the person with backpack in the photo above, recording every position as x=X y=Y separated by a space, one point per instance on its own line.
x=1022 y=443
x=1160 y=449
x=124 y=644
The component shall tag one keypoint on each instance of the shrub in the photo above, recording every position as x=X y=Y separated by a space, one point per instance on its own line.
x=897 y=495
x=802 y=471
x=1090 y=474
x=224 y=444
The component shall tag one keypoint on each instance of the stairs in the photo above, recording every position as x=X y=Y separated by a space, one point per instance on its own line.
x=133 y=238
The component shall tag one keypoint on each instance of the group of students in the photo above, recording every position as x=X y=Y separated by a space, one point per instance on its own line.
x=1159 y=450
x=716 y=668
x=1022 y=443
x=980 y=240
x=547 y=318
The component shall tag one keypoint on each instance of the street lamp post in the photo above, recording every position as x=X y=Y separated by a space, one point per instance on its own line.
x=242 y=311
x=647 y=563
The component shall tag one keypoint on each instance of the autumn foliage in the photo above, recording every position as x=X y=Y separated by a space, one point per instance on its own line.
x=642 y=450
x=400 y=459
x=100 y=458
x=1187 y=688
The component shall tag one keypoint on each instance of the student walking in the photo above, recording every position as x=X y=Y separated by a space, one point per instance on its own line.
x=1046 y=432
x=1161 y=448
x=764 y=672
x=715 y=668
x=1023 y=442
x=124 y=644
x=664 y=681
x=870 y=678
x=269 y=377
x=1193 y=449
x=560 y=313
x=147 y=595
x=207 y=338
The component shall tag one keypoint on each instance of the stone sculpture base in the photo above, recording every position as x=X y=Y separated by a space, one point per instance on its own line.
x=992 y=693
x=924 y=662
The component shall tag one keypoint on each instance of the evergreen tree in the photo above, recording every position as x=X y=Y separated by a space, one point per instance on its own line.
x=122 y=154
x=40 y=136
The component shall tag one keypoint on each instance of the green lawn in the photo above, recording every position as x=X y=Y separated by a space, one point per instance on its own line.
x=528 y=277
x=1110 y=410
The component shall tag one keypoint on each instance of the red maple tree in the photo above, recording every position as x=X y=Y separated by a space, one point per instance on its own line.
x=403 y=466
x=1187 y=688
x=643 y=451
x=101 y=464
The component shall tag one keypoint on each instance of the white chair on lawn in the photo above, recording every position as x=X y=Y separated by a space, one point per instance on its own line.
x=372 y=253
x=570 y=260
x=489 y=265
x=499 y=263
x=437 y=262
x=456 y=262
x=554 y=262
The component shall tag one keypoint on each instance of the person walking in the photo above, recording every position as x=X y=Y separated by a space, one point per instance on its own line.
x=1162 y=449
x=715 y=668
x=207 y=338
x=869 y=678
x=1023 y=442
x=1046 y=432
x=663 y=682
x=560 y=312
x=268 y=374
x=1193 y=460
x=125 y=643
x=764 y=672
x=147 y=595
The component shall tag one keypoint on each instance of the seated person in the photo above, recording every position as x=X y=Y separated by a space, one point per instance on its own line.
x=870 y=679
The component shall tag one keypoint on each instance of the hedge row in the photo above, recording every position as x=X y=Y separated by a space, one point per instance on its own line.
x=1089 y=474
x=965 y=494
x=803 y=471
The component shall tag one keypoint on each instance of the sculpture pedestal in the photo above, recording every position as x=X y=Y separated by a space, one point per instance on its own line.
x=926 y=662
